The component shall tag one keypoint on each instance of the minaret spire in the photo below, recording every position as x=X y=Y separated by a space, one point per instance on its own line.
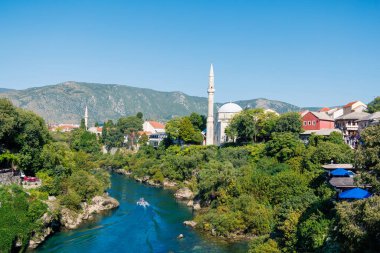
x=210 y=114
x=86 y=117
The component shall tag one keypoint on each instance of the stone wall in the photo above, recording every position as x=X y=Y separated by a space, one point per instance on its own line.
x=7 y=178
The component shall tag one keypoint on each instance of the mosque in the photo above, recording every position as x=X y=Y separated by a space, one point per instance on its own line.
x=215 y=132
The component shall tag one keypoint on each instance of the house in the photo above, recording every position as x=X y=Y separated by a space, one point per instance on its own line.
x=348 y=124
x=335 y=112
x=355 y=106
x=96 y=130
x=62 y=127
x=317 y=121
x=155 y=139
x=370 y=120
x=155 y=132
x=324 y=109
x=302 y=113
x=153 y=127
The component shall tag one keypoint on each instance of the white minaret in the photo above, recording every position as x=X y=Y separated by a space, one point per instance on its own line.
x=86 y=117
x=210 y=114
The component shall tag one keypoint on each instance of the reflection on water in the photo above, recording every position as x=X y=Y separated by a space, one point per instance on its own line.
x=133 y=228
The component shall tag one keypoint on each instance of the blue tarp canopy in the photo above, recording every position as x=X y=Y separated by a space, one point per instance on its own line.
x=355 y=193
x=341 y=172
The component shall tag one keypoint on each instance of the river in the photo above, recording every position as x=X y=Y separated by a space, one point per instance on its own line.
x=132 y=228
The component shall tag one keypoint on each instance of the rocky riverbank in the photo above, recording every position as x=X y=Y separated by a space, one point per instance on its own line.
x=63 y=218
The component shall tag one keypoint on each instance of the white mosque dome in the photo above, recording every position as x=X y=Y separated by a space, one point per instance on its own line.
x=230 y=108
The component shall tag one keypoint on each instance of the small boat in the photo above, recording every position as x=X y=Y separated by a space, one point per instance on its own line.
x=142 y=202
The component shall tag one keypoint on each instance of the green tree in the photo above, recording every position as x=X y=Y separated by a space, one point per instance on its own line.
x=182 y=129
x=284 y=146
x=82 y=124
x=198 y=121
x=8 y=120
x=313 y=232
x=143 y=140
x=130 y=124
x=251 y=125
x=244 y=126
x=368 y=156
x=374 y=105
x=84 y=141
x=186 y=130
x=358 y=225
x=139 y=115
x=30 y=135
x=263 y=244
x=289 y=122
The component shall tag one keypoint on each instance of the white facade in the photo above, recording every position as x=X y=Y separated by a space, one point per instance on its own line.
x=153 y=127
x=335 y=113
x=96 y=130
x=356 y=106
x=225 y=114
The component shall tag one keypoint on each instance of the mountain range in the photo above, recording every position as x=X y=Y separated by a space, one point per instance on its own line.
x=65 y=102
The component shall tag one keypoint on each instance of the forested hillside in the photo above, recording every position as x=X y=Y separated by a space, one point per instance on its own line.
x=65 y=102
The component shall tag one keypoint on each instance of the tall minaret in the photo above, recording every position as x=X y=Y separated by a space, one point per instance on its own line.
x=210 y=115
x=86 y=117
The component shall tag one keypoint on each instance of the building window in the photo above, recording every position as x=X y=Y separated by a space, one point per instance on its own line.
x=305 y=123
x=314 y=123
x=309 y=122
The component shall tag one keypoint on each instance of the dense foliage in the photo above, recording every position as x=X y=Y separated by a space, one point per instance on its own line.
x=64 y=163
x=256 y=125
x=273 y=189
x=185 y=129
x=19 y=214
x=24 y=133
x=123 y=133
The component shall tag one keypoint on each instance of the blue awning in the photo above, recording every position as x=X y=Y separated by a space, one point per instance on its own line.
x=341 y=172
x=356 y=193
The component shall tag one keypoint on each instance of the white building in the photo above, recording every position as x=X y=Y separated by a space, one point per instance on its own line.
x=153 y=127
x=96 y=130
x=335 y=113
x=356 y=106
x=225 y=114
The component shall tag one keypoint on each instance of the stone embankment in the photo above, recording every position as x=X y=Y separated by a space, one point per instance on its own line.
x=7 y=177
x=184 y=194
x=190 y=223
x=123 y=172
x=69 y=219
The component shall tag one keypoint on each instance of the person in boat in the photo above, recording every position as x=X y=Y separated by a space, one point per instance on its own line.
x=142 y=202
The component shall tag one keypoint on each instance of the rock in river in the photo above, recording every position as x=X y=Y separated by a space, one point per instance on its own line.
x=184 y=193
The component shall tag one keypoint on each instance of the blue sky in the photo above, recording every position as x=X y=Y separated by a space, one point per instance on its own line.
x=308 y=53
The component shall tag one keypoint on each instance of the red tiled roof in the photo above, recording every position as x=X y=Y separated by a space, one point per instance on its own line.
x=324 y=109
x=157 y=125
x=349 y=104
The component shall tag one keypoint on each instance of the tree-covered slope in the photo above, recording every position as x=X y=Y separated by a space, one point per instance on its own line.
x=65 y=102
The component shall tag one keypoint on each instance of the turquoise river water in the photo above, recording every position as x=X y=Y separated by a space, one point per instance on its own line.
x=132 y=228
